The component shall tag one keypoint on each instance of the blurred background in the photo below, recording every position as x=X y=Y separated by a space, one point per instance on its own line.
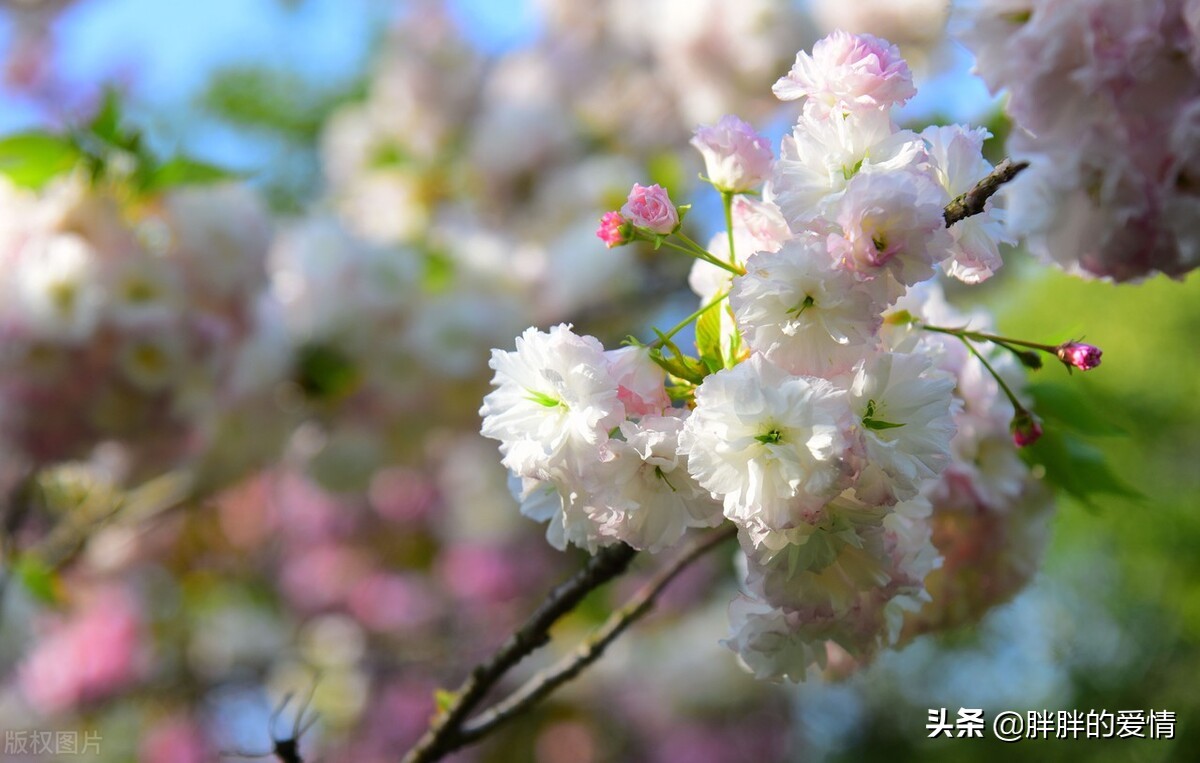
x=430 y=174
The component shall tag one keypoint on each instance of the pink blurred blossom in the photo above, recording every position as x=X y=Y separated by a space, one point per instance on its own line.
x=391 y=602
x=322 y=576
x=479 y=573
x=91 y=654
x=175 y=740
x=402 y=494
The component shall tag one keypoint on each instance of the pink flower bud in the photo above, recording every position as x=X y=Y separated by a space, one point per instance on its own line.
x=613 y=230
x=651 y=208
x=1085 y=357
x=736 y=158
x=1025 y=428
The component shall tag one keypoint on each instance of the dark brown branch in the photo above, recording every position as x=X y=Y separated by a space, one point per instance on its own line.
x=546 y=681
x=973 y=201
x=444 y=734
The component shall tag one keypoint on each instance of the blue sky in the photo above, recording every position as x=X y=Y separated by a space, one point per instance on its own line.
x=169 y=48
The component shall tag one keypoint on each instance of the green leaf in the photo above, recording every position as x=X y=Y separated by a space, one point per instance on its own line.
x=681 y=392
x=444 y=700
x=1072 y=408
x=184 y=171
x=677 y=364
x=106 y=125
x=41 y=581
x=267 y=98
x=325 y=372
x=1076 y=467
x=438 y=275
x=32 y=159
x=708 y=339
x=734 y=348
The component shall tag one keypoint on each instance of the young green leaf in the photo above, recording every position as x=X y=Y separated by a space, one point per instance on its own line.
x=1076 y=467
x=41 y=581
x=708 y=339
x=1074 y=408
x=184 y=171
x=32 y=159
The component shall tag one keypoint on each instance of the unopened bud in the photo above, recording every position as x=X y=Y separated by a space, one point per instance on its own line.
x=614 y=230
x=1025 y=428
x=1029 y=359
x=1085 y=357
x=651 y=208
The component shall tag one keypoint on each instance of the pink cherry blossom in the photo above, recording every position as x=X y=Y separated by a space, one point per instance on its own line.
x=651 y=208
x=847 y=73
x=639 y=381
x=736 y=158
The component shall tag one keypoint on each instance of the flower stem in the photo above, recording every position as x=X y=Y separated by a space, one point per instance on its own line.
x=979 y=336
x=684 y=323
x=701 y=254
x=1016 y=404
x=708 y=256
x=727 y=201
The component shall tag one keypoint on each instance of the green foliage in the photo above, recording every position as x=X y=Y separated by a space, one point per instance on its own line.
x=182 y=171
x=1070 y=405
x=1071 y=463
x=708 y=340
x=1076 y=467
x=275 y=100
x=438 y=274
x=444 y=699
x=107 y=148
x=31 y=159
x=39 y=580
x=325 y=373
x=675 y=362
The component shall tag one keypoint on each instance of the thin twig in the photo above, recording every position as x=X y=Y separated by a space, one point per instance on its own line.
x=442 y=736
x=973 y=201
x=546 y=681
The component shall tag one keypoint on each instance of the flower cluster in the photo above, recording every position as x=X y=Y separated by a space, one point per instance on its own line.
x=1104 y=96
x=123 y=322
x=838 y=404
x=593 y=442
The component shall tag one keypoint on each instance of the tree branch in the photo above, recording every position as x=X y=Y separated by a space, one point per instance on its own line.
x=444 y=733
x=546 y=681
x=973 y=201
